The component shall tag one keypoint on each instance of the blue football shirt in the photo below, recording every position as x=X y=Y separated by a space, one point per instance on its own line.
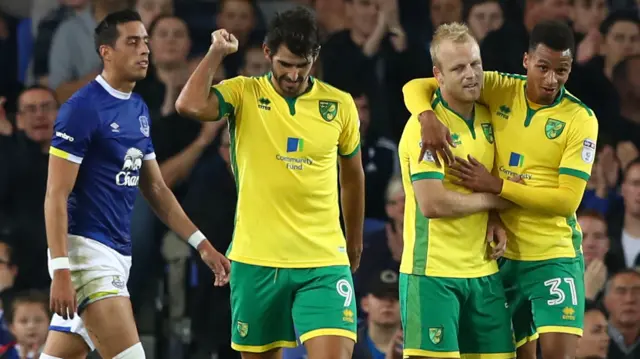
x=107 y=132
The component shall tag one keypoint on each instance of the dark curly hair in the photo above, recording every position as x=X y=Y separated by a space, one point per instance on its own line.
x=297 y=30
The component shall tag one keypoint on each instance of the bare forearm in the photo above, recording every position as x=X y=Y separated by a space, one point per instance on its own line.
x=455 y=204
x=195 y=99
x=166 y=207
x=177 y=168
x=56 y=219
x=352 y=198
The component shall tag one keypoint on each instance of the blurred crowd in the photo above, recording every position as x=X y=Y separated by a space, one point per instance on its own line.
x=371 y=49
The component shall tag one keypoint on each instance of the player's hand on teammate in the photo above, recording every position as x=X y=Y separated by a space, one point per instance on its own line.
x=473 y=175
x=63 y=299
x=217 y=262
x=223 y=42
x=436 y=138
x=496 y=236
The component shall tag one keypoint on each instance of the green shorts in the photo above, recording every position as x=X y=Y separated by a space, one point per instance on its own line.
x=447 y=317
x=544 y=296
x=266 y=304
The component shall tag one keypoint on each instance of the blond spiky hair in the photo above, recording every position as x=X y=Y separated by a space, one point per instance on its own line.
x=454 y=32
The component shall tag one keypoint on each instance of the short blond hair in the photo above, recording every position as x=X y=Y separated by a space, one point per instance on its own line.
x=454 y=32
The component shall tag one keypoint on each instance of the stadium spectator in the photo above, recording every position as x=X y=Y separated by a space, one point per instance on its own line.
x=379 y=158
x=379 y=335
x=73 y=60
x=445 y=11
x=254 y=62
x=8 y=272
x=149 y=10
x=46 y=29
x=483 y=17
x=497 y=56
x=383 y=248
x=586 y=17
x=9 y=85
x=25 y=184
x=602 y=186
x=622 y=302
x=595 y=245
x=626 y=80
x=211 y=203
x=624 y=228
x=240 y=18
x=594 y=343
x=170 y=43
x=375 y=54
x=28 y=319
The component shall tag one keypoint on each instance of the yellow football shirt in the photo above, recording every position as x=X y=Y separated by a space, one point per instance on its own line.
x=445 y=247
x=538 y=143
x=284 y=155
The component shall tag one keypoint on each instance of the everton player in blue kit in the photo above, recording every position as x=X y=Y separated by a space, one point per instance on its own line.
x=100 y=153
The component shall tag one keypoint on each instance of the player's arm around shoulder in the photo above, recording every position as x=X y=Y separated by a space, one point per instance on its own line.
x=418 y=93
x=198 y=99
x=351 y=179
x=498 y=86
x=433 y=198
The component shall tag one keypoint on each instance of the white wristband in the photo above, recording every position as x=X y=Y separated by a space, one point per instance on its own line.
x=59 y=263
x=196 y=238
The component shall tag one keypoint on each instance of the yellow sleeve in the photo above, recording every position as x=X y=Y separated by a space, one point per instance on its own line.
x=561 y=201
x=419 y=168
x=580 y=151
x=418 y=94
x=497 y=85
x=229 y=93
x=349 y=141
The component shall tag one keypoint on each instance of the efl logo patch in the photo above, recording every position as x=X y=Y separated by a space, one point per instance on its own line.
x=588 y=150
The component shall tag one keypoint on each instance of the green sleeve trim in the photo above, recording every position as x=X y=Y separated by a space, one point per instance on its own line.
x=352 y=153
x=427 y=175
x=223 y=106
x=575 y=173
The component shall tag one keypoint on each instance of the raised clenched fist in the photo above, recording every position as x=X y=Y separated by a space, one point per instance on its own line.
x=224 y=42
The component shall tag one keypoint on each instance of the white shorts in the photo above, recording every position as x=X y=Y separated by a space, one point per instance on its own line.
x=97 y=272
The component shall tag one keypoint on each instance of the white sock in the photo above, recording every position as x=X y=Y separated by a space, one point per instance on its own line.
x=47 y=356
x=134 y=352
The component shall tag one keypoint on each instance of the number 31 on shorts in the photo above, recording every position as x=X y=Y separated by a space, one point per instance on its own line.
x=560 y=296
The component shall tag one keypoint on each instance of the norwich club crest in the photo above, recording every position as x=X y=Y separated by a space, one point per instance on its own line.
x=487 y=129
x=553 y=128
x=243 y=329
x=435 y=334
x=328 y=110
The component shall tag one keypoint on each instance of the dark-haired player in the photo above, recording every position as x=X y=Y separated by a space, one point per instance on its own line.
x=100 y=152
x=290 y=261
x=545 y=146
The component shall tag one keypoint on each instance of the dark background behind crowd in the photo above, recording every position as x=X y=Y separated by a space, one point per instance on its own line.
x=371 y=49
